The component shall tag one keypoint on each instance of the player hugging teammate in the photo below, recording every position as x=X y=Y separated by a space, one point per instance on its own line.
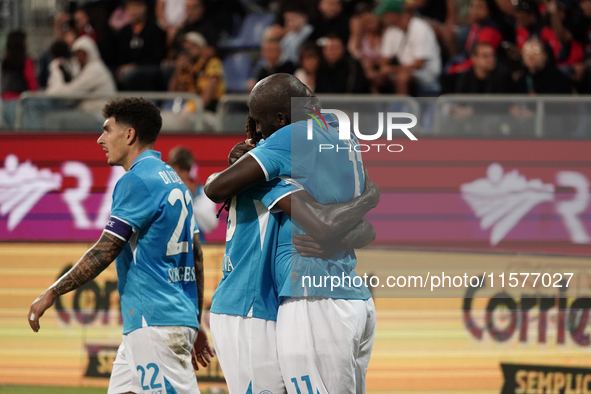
x=293 y=212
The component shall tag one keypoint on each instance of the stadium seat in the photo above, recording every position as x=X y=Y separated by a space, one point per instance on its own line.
x=251 y=32
x=237 y=69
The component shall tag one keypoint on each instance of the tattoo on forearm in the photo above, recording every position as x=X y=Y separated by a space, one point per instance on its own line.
x=199 y=275
x=94 y=261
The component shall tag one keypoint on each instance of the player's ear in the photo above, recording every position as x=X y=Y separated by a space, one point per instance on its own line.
x=282 y=119
x=131 y=135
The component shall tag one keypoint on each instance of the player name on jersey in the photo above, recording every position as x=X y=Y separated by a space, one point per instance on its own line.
x=181 y=274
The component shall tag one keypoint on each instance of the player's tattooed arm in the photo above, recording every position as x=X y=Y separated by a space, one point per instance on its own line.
x=94 y=261
x=199 y=276
x=325 y=222
x=359 y=237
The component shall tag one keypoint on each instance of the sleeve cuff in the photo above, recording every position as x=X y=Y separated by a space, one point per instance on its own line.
x=260 y=164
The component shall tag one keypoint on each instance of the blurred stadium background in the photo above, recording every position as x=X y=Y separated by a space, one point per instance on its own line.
x=498 y=178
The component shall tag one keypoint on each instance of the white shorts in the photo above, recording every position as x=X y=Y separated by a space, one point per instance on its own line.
x=247 y=352
x=155 y=360
x=324 y=344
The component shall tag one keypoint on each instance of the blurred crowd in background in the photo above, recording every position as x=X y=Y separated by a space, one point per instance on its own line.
x=214 y=47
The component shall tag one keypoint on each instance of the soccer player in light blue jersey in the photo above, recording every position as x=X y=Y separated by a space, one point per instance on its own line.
x=244 y=305
x=324 y=335
x=160 y=275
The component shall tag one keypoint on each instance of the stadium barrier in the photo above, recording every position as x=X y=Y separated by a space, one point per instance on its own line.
x=180 y=111
x=513 y=116
x=232 y=109
x=464 y=116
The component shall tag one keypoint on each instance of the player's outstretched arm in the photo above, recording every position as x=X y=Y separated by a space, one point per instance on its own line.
x=325 y=222
x=244 y=173
x=94 y=261
x=359 y=237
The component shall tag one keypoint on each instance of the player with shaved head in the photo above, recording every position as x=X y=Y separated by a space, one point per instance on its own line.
x=324 y=335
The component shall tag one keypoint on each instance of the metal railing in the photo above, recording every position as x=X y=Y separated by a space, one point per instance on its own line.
x=195 y=117
x=491 y=116
x=543 y=116
x=232 y=109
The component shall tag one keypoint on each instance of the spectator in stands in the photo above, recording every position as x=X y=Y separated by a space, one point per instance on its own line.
x=170 y=15
x=67 y=65
x=483 y=29
x=63 y=30
x=530 y=23
x=119 y=18
x=540 y=75
x=365 y=44
x=411 y=59
x=140 y=51
x=331 y=21
x=182 y=161
x=269 y=63
x=18 y=74
x=296 y=31
x=94 y=78
x=484 y=76
x=557 y=13
x=198 y=72
x=309 y=62
x=196 y=21
x=91 y=20
x=583 y=71
x=442 y=16
x=339 y=72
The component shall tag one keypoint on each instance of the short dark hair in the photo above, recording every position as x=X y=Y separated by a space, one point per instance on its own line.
x=136 y=112
x=59 y=49
x=181 y=157
x=310 y=48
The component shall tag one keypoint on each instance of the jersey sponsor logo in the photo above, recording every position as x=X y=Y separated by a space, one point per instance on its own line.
x=181 y=274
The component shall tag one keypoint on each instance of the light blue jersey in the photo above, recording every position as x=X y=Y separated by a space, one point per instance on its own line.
x=247 y=288
x=153 y=210
x=330 y=176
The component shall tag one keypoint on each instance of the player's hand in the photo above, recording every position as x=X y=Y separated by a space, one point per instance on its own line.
x=202 y=351
x=251 y=131
x=38 y=308
x=308 y=247
x=239 y=150
x=371 y=191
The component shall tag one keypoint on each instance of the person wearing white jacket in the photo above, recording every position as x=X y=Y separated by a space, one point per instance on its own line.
x=94 y=78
